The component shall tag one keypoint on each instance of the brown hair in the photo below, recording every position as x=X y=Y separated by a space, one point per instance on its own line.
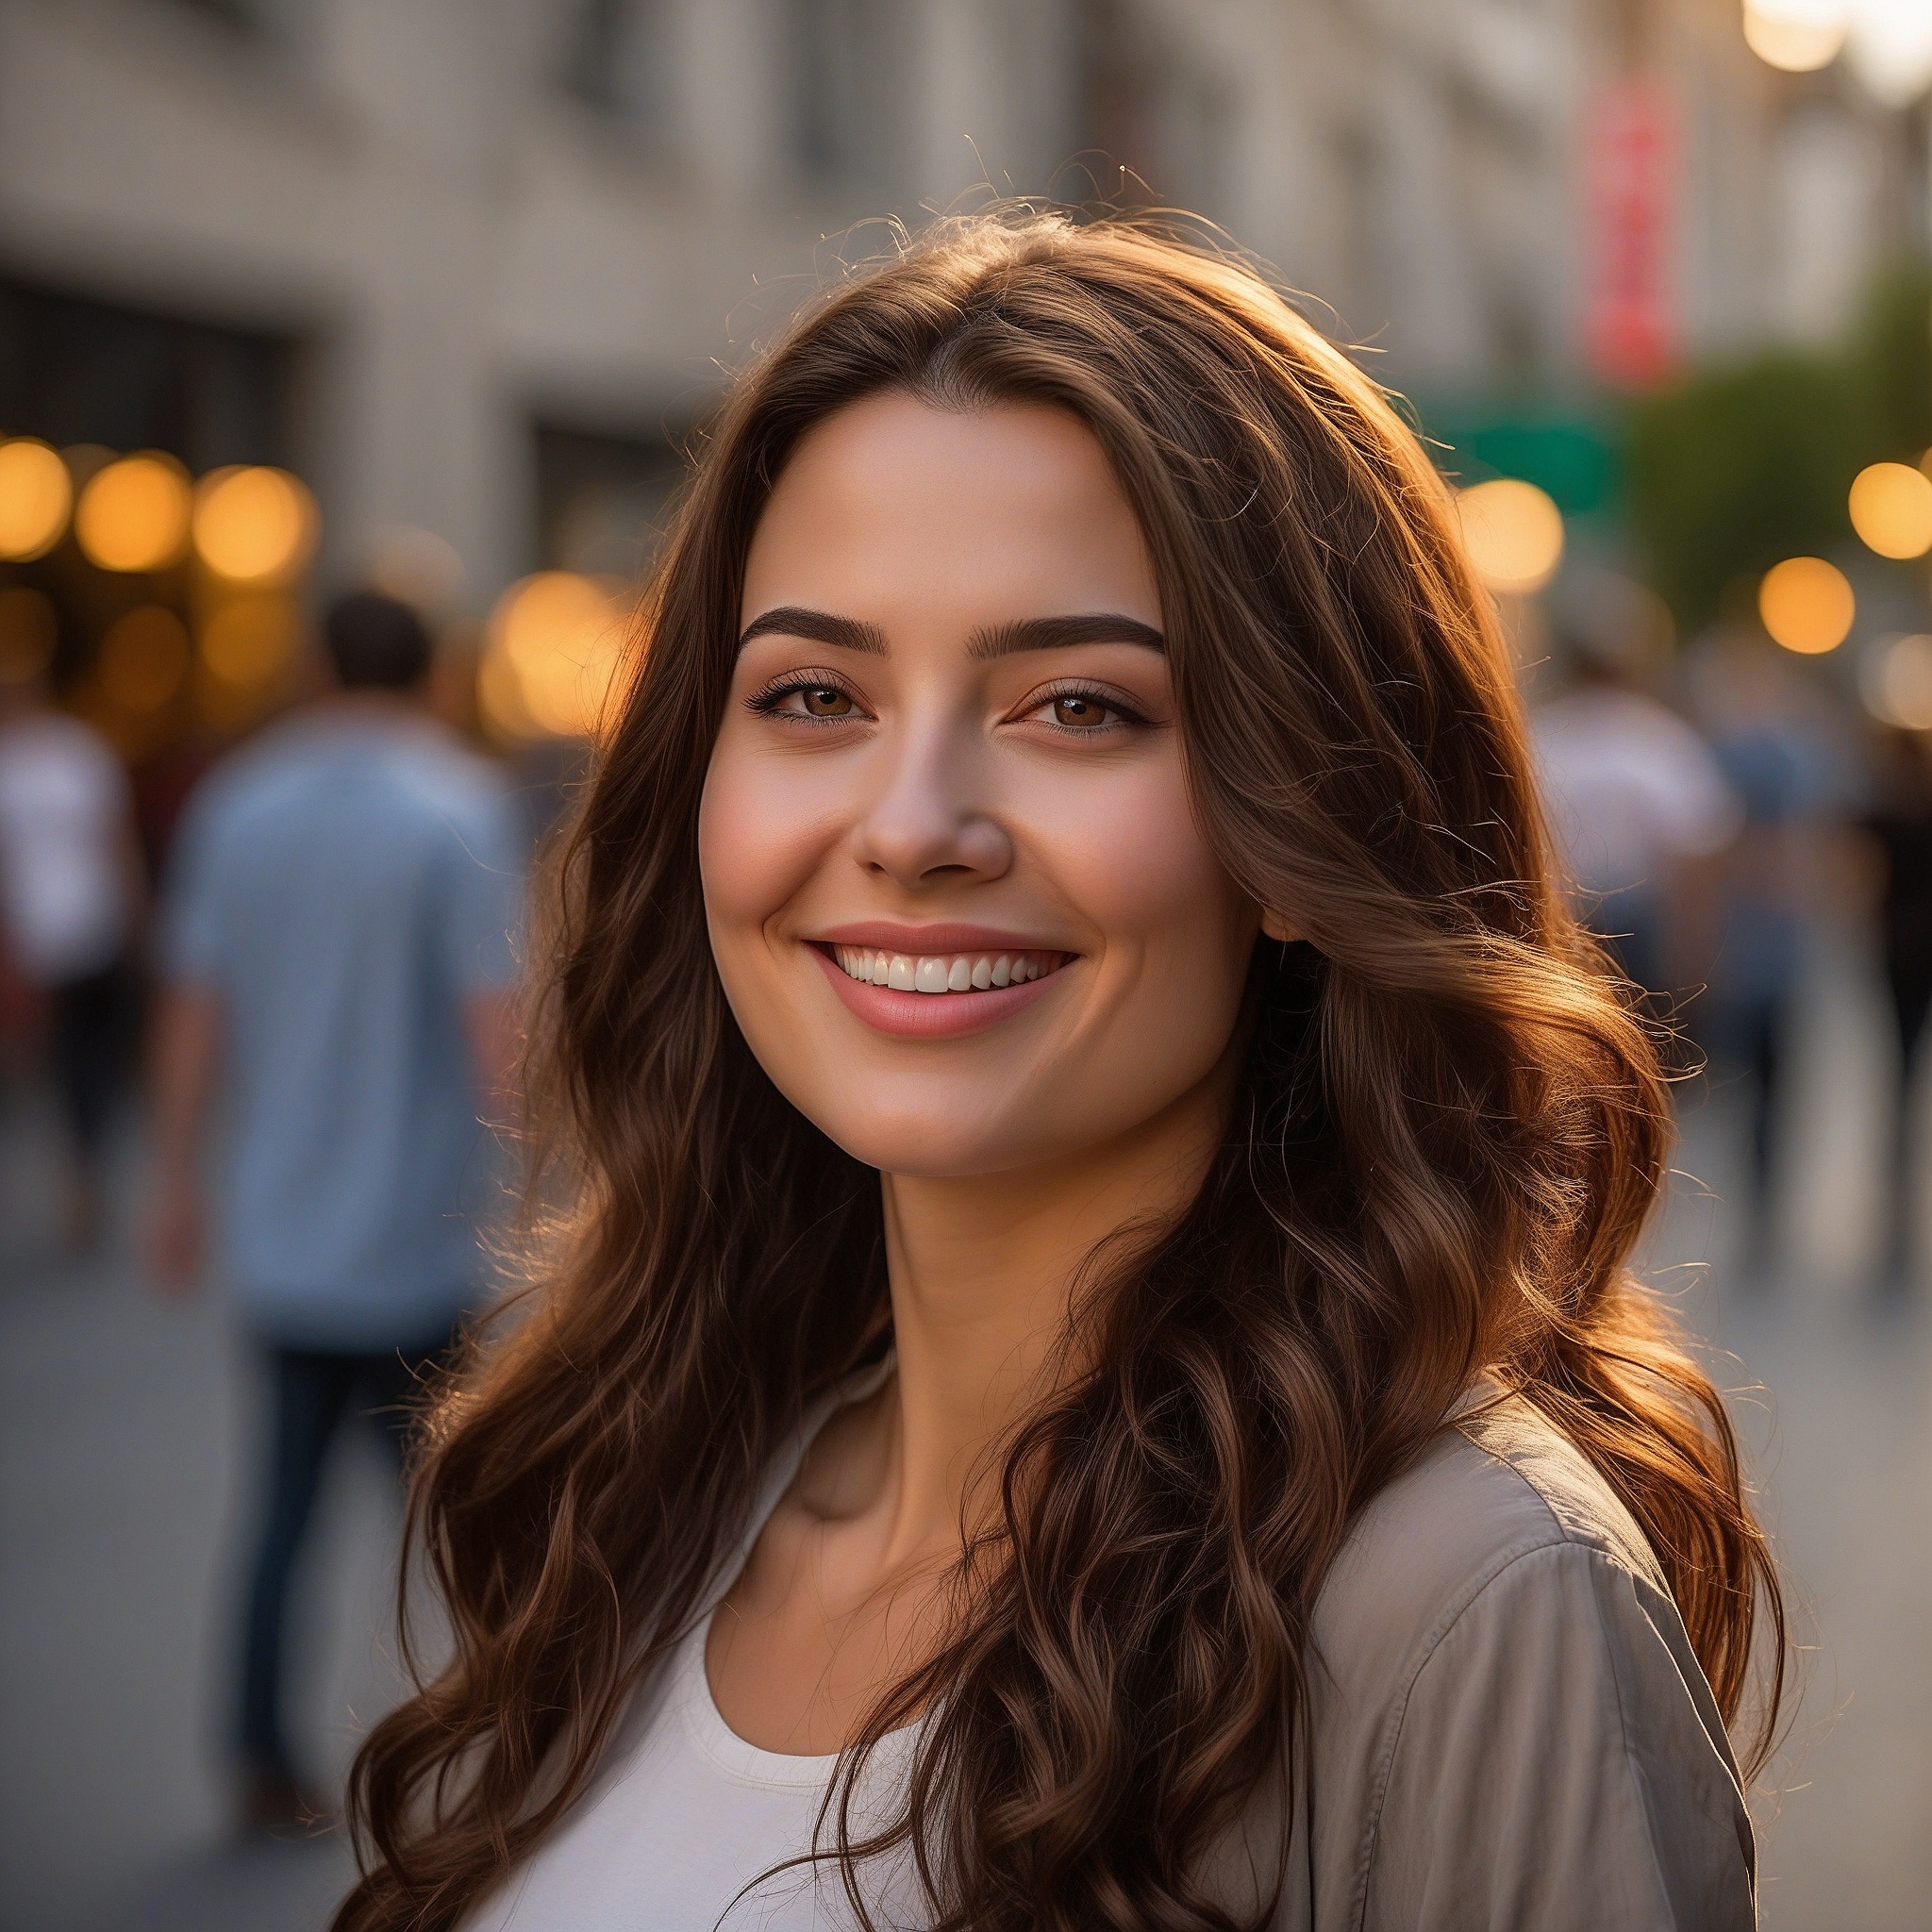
x=1448 y=1136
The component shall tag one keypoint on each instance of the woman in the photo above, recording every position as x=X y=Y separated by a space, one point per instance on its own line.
x=1090 y=1378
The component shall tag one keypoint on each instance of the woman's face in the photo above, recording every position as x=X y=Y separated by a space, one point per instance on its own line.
x=956 y=890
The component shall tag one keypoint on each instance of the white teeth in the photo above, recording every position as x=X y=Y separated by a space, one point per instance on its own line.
x=933 y=973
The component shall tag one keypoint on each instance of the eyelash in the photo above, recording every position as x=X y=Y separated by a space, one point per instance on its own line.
x=766 y=703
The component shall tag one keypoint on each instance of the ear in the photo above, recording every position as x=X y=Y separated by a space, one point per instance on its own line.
x=1277 y=927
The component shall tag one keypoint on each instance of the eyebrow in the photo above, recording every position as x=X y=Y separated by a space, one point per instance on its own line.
x=999 y=640
x=818 y=627
x=1058 y=633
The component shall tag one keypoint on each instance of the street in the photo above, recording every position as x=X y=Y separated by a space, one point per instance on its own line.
x=126 y=1450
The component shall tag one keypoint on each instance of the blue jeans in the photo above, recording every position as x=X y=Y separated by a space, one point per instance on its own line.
x=313 y=1393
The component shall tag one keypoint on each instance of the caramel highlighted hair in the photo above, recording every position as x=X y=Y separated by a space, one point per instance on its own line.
x=1449 y=1135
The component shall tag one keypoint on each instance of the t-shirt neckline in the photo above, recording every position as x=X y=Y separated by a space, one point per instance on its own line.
x=738 y=1757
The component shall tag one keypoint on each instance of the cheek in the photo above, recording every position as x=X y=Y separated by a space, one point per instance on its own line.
x=756 y=847
x=1134 y=862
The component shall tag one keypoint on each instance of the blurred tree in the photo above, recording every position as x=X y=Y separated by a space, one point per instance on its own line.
x=1891 y=356
x=1732 y=470
x=1738 y=467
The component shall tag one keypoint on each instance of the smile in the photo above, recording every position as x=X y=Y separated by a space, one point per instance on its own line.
x=952 y=972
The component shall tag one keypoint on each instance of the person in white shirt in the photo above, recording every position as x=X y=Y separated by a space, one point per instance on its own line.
x=1639 y=803
x=71 y=888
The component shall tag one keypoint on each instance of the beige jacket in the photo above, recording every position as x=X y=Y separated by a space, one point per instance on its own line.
x=1508 y=1729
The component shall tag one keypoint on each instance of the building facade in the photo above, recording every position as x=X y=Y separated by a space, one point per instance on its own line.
x=490 y=256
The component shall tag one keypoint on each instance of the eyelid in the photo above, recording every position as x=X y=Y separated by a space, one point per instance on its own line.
x=1109 y=696
x=809 y=678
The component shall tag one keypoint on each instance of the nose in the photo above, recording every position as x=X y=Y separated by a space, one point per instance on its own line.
x=929 y=823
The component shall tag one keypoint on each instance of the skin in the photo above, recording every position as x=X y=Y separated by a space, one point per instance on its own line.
x=895 y=771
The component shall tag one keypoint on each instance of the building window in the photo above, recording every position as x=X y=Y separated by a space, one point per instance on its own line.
x=602 y=498
x=1149 y=107
x=241 y=14
x=849 y=72
x=617 y=61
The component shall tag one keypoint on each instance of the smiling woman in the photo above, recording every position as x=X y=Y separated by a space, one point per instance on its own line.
x=1092 y=1377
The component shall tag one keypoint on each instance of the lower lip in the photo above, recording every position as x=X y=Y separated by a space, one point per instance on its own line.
x=929 y=1015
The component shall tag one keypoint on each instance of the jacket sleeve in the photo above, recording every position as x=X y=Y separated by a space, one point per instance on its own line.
x=1559 y=1766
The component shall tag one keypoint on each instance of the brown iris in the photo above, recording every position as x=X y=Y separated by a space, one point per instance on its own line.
x=1077 y=711
x=827 y=701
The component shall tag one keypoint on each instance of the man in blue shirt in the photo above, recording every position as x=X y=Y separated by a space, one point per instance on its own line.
x=337 y=953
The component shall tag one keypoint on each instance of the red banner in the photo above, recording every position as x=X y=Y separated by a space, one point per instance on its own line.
x=1630 y=182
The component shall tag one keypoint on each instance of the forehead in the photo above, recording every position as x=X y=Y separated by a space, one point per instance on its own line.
x=892 y=509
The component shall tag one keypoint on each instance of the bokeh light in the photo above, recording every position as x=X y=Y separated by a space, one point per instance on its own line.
x=1891 y=509
x=133 y=514
x=30 y=628
x=144 y=659
x=1513 y=533
x=254 y=524
x=1807 y=604
x=248 y=642
x=554 y=643
x=35 y=493
x=1891 y=49
x=418 y=567
x=1897 y=680
x=1798 y=35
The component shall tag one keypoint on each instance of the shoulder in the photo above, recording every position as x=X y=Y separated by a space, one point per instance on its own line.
x=452 y=788
x=1504 y=1700
x=254 y=781
x=1493 y=1488
x=54 y=742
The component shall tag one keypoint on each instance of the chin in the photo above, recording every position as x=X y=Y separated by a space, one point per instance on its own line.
x=935 y=1141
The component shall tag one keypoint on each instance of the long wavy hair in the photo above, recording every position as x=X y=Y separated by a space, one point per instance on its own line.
x=1449 y=1132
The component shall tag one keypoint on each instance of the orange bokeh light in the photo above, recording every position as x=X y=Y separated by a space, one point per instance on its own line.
x=254 y=524
x=36 y=494
x=133 y=514
x=1891 y=509
x=1807 y=604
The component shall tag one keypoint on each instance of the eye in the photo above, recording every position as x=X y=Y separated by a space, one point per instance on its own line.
x=1076 y=712
x=816 y=698
x=1081 y=711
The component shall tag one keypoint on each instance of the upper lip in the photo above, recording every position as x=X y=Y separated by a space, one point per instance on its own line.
x=884 y=936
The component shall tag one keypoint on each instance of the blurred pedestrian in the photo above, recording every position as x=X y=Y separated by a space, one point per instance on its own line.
x=1639 y=807
x=71 y=893
x=337 y=954
x=1902 y=830
x=1780 y=754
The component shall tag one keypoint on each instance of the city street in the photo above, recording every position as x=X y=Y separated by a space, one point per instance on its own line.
x=125 y=1434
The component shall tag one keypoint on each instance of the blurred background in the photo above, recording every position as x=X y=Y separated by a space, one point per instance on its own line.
x=426 y=296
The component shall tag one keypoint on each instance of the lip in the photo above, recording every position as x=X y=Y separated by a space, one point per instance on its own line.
x=924 y=1015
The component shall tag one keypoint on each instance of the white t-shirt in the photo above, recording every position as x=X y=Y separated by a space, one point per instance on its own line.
x=685 y=1815
x=64 y=812
x=1632 y=789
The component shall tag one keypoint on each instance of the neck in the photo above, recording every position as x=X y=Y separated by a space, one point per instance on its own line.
x=984 y=1269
